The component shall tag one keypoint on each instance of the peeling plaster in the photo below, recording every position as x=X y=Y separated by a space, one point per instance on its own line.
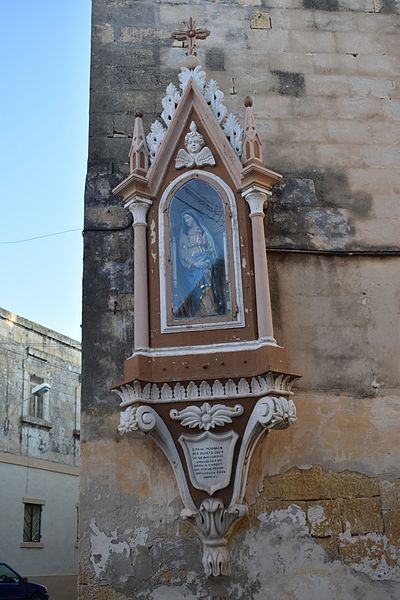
x=372 y=560
x=140 y=537
x=153 y=238
x=165 y=592
x=283 y=558
x=102 y=546
x=316 y=514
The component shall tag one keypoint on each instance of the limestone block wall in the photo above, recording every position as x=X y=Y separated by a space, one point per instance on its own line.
x=324 y=499
x=28 y=349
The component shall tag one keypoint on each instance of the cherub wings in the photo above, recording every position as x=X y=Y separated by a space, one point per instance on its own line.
x=184 y=159
x=204 y=157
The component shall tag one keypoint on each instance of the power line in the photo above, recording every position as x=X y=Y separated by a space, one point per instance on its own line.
x=283 y=249
x=83 y=231
x=38 y=237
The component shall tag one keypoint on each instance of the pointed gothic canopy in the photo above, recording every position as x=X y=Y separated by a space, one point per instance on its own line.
x=201 y=101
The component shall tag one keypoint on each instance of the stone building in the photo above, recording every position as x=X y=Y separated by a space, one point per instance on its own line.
x=39 y=453
x=323 y=496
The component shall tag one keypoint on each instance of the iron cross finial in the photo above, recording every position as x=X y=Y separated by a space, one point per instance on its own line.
x=190 y=36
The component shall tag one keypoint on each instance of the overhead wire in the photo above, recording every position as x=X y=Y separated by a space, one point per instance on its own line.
x=38 y=237
x=83 y=231
x=283 y=249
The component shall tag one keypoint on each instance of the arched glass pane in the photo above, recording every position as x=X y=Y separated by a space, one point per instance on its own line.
x=199 y=261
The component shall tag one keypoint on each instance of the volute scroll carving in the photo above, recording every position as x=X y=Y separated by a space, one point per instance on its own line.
x=211 y=518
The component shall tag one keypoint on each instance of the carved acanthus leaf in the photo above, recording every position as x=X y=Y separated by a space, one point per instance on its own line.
x=128 y=421
x=170 y=103
x=197 y=74
x=154 y=138
x=284 y=413
x=206 y=416
x=213 y=521
x=277 y=413
x=137 y=418
x=234 y=132
x=214 y=97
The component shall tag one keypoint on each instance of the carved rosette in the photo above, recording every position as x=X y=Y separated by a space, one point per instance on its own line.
x=209 y=456
x=206 y=416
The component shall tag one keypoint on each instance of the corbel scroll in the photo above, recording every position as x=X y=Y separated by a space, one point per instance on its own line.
x=211 y=518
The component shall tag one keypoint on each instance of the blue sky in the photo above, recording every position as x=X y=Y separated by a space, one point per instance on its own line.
x=44 y=50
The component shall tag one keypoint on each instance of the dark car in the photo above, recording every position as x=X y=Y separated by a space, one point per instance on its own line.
x=13 y=586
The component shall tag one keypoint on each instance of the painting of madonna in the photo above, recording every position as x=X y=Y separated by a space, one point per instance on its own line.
x=199 y=278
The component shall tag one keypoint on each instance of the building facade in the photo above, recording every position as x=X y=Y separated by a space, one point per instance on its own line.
x=39 y=453
x=323 y=496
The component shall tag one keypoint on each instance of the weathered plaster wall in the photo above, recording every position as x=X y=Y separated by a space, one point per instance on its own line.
x=326 y=99
x=28 y=349
x=39 y=457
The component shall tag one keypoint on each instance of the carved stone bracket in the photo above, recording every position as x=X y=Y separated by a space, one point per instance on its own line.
x=211 y=518
x=213 y=522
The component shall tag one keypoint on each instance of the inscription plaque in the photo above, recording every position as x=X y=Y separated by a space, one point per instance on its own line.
x=209 y=459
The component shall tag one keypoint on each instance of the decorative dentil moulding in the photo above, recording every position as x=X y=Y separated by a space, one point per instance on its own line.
x=269 y=383
x=211 y=518
x=214 y=98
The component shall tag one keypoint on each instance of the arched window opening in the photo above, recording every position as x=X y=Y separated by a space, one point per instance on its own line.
x=200 y=268
x=201 y=286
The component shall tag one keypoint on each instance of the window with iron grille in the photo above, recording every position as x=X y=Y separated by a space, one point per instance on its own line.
x=32 y=522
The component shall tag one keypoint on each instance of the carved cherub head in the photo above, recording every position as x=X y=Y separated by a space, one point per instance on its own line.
x=194 y=141
x=194 y=155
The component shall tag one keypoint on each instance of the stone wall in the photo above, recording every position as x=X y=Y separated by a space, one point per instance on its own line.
x=31 y=350
x=325 y=85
